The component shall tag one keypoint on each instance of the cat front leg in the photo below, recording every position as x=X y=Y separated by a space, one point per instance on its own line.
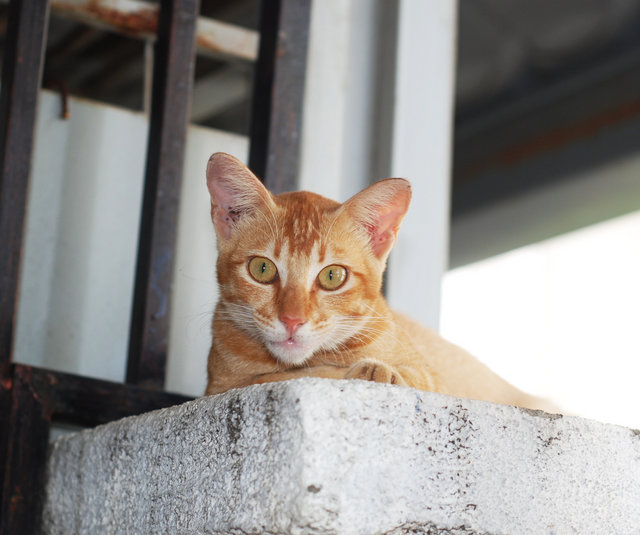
x=375 y=370
x=421 y=377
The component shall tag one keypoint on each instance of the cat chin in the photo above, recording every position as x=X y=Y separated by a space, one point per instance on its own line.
x=288 y=352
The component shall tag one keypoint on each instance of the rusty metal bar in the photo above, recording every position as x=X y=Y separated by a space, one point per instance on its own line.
x=139 y=19
x=172 y=84
x=31 y=399
x=24 y=460
x=278 y=93
x=6 y=393
x=85 y=401
x=21 y=77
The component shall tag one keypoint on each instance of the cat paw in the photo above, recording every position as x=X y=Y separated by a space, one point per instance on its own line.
x=374 y=370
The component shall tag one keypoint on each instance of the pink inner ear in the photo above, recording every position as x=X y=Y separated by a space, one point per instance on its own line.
x=379 y=209
x=222 y=208
x=383 y=232
x=221 y=195
x=235 y=191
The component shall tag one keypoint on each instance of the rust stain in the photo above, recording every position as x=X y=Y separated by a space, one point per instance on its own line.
x=552 y=140
x=61 y=87
x=16 y=501
x=26 y=376
x=142 y=21
x=139 y=22
x=6 y=383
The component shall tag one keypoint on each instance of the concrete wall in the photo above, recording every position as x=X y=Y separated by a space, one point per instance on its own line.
x=319 y=456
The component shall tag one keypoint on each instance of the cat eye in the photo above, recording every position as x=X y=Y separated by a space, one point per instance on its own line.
x=332 y=277
x=262 y=269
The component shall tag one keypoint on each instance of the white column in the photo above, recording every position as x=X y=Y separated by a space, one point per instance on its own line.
x=421 y=152
x=339 y=101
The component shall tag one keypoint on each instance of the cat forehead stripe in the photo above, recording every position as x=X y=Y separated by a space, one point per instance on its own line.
x=302 y=232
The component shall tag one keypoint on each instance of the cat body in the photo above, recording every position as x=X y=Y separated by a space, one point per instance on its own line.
x=300 y=281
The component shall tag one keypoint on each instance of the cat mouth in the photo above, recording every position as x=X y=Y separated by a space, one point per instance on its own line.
x=290 y=350
x=289 y=343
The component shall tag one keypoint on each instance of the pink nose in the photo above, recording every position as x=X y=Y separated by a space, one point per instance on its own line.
x=292 y=323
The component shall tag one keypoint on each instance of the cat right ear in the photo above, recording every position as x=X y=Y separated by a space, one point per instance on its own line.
x=379 y=210
x=235 y=192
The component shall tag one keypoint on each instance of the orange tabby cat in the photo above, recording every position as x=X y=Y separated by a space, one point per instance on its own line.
x=300 y=279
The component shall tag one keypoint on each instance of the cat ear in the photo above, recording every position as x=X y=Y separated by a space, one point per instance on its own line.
x=379 y=210
x=235 y=192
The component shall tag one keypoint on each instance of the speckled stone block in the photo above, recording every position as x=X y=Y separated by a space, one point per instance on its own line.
x=318 y=456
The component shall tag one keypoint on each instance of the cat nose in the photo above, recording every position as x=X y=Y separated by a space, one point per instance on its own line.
x=292 y=323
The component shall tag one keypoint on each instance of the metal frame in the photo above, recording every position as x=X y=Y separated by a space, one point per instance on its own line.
x=278 y=91
x=32 y=398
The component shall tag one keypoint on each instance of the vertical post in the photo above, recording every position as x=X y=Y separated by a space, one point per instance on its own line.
x=24 y=461
x=21 y=77
x=278 y=93
x=171 y=94
x=421 y=152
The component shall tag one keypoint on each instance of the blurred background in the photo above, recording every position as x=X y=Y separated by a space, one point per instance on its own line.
x=543 y=182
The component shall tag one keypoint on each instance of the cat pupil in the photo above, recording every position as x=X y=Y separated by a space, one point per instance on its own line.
x=264 y=267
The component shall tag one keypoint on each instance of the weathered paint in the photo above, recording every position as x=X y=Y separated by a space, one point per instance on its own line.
x=140 y=20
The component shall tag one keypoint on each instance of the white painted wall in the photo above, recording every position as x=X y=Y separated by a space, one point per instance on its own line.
x=81 y=239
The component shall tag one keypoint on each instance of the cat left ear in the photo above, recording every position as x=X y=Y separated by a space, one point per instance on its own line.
x=235 y=192
x=379 y=210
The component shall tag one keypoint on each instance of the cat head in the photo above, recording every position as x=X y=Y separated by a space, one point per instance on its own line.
x=299 y=272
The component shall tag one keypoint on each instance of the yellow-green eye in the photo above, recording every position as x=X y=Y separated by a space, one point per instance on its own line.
x=332 y=277
x=262 y=269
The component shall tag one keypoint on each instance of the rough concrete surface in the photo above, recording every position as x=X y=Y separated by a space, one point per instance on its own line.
x=318 y=456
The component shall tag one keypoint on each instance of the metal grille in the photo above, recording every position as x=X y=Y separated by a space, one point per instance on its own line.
x=32 y=398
